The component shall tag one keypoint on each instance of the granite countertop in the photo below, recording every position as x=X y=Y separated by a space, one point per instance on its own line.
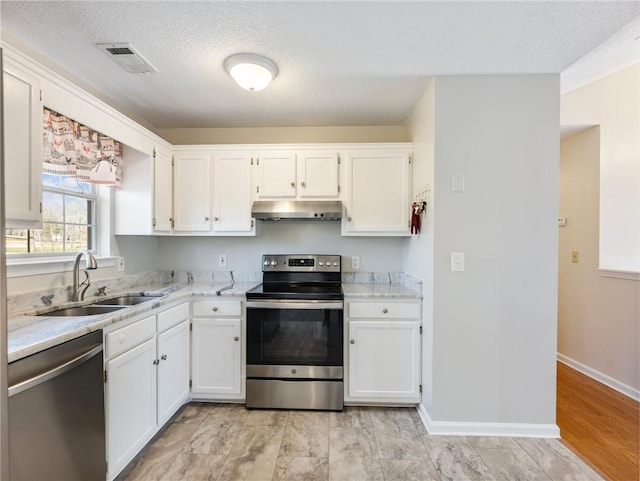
x=32 y=333
x=380 y=291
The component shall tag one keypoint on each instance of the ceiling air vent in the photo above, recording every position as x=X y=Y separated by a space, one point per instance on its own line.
x=127 y=57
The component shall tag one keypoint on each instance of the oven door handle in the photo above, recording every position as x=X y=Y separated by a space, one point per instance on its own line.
x=294 y=305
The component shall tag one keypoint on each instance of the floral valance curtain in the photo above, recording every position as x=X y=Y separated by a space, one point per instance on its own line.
x=73 y=149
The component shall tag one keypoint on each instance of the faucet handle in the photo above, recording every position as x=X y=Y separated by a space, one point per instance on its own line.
x=101 y=291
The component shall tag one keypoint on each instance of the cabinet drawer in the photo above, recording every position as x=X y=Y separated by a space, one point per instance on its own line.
x=118 y=341
x=217 y=309
x=173 y=316
x=384 y=310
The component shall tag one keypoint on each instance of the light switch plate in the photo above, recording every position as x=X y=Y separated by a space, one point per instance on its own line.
x=120 y=264
x=457 y=261
x=222 y=260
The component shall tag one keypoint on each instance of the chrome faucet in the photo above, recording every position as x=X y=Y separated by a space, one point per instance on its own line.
x=90 y=264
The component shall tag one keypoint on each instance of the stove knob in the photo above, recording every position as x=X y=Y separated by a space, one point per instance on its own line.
x=322 y=263
x=266 y=263
x=273 y=263
x=335 y=264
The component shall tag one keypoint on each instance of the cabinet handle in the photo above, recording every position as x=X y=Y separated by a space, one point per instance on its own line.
x=236 y=338
x=349 y=219
x=216 y=219
x=206 y=219
x=293 y=184
x=215 y=309
x=163 y=357
x=303 y=184
x=352 y=341
x=385 y=310
x=156 y=362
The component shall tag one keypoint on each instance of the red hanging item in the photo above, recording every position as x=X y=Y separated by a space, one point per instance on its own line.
x=415 y=218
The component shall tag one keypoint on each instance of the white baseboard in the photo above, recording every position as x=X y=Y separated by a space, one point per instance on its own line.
x=453 y=428
x=621 y=387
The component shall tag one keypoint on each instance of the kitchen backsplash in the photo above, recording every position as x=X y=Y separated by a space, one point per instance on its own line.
x=383 y=278
x=29 y=301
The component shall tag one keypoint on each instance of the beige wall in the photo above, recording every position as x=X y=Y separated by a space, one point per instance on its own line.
x=613 y=103
x=281 y=135
x=598 y=317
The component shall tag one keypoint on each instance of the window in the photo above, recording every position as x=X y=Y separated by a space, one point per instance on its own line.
x=68 y=219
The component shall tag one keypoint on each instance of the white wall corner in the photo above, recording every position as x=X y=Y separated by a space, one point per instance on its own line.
x=454 y=428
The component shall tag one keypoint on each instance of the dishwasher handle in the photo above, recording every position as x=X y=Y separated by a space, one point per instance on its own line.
x=56 y=371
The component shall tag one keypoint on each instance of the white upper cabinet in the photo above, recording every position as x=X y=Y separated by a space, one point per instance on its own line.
x=162 y=190
x=301 y=174
x=192 y=192
x=232 y=194
x=378 y=199
x=209 y=190
x=276 y=175
x=318 y=174
x=22 y=147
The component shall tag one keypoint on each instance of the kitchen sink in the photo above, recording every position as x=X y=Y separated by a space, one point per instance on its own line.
x=126 y=300
x=91 y=310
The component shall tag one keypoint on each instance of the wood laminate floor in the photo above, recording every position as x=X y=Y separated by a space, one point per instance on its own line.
x=228 y=442
x=600 y=424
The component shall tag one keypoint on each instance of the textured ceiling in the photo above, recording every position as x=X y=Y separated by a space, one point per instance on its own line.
x=340 y=63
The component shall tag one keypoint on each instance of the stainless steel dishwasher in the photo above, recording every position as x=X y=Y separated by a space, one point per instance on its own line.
x=56 y=413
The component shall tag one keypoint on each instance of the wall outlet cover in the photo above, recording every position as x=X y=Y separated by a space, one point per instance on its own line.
x=355 y=262
x=120 y=264
x=457 y=261
x=222 y=260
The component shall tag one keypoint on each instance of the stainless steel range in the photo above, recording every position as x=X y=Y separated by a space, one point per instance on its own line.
x=295 y=334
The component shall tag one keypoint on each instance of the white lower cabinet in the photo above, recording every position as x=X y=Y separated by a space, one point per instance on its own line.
x=173 y=370
x=146 y=381
x=383 y=352
x=218 y=350
x=130 y=400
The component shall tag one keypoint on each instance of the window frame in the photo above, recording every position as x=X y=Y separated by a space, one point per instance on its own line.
x=92 y=223
x=21 y=265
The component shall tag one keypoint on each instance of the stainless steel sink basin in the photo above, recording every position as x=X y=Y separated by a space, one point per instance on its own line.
x=91 y=310
x=126 y=300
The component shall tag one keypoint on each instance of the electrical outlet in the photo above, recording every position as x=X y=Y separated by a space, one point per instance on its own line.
x=355 y=262
x=222 y=260
x=457 y=261
x=575 y=257
x=120 y=264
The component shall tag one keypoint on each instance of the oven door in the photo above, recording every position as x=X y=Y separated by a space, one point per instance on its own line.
x=294 y=333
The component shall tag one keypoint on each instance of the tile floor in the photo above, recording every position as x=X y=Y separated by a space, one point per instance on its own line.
x=228 y=442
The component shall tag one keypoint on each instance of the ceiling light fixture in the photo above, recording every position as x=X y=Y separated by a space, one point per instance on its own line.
x=250 y=71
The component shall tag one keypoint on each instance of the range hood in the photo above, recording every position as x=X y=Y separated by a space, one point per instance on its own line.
x=297 y=210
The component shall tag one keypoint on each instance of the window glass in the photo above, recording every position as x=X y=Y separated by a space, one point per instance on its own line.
x=68 y=219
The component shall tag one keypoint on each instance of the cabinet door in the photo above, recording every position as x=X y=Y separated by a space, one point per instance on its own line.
x=384 y=360
x=130 y=404
x=232 y=193
x=276 y=175
x=162 y=191
x=216 y=356
x=22 y=148
x=173 y=370
x=378 y=194
x=317 y=174
x=192 y=192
